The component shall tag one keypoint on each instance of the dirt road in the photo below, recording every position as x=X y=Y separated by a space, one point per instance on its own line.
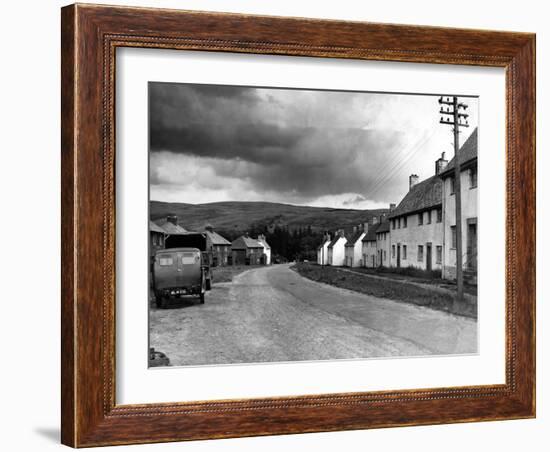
x=272 y=314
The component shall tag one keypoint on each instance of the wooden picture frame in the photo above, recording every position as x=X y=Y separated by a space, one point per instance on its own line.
x=90 y=36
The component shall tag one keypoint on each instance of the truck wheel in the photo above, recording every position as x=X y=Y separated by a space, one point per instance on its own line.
x=161 y=303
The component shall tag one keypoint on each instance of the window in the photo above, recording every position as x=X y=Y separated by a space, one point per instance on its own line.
x=438 y=254
x=439 y=215
x=404 y=221
x=399 y=223
x=189 y=258
x=452 y=185
x=384 y=254
x=473 y=177
x=393 y=251
x=404 y=252
x=420 y=219
x=393 y=224
x=166 y=261
x=420 y=256
x=429 y=217
x=453 y=236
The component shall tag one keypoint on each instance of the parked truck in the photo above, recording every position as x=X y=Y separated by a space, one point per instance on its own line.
x=182 y=269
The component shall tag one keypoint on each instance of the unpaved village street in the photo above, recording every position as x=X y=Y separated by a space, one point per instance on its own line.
x=272 y=314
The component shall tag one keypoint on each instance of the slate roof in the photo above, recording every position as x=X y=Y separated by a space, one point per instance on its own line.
x=352 y=239
x=371 y=234
x=334 y=240
x=467 y=152
x=323 y=243
x=171 y=228
x=153 y=227
x=422 y=196
x=383 y=227
x=245 y=242
x=216 y=239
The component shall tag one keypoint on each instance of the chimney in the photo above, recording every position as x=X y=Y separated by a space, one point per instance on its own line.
x=341 y=233
x=374 y=220
x=172 y=219
x=440 y=164
x=261 y=237
x=366 y=227
x=413 y=180
x=209 y=227
x=354 y=229
x=392 y=206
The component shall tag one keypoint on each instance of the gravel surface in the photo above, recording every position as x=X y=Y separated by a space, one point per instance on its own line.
x=272 y=314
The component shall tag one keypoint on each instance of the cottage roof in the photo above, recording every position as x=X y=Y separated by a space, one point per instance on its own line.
x=383 y=227
x=354 y=238
x=467 y=152
x=335 y=239
x=371 y=234
x=216 y=239
x=171 y=228
x=153 y=227
x=244 y=242
x=323 y=243
x=423 y=195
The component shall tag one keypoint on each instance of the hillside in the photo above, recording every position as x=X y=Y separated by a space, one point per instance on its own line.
x=241 y=216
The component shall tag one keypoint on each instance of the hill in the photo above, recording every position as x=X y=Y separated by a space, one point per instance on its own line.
x=240 y=216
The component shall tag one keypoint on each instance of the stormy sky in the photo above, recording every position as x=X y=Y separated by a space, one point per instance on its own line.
x=212 y=143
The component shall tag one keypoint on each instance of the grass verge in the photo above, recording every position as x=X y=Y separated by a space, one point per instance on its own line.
x=398 y=290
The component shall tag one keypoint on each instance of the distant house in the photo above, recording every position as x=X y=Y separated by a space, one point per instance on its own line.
x=322 y=250
x=336 y=249
x=468 y=189
x=246 y=251
x=369 y=247
x=218 y=247
x=171 y=228
x=383 y=242
x=156 y=238
x=417 y=224
x=354 y=247
x=267 y=249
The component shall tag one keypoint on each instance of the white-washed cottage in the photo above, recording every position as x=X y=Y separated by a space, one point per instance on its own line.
x=267 y=249
x=336 y=249
x=322 y=250
x=354 y=247
x=416 y=224
x=467 y=156
x=369 y=247
x=383 y=242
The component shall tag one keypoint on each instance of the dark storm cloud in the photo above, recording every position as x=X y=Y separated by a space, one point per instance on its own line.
x=304 y=147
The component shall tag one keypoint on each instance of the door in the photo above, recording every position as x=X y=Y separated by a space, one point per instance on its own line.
x=428 y=256
x=398 y=255
x=472 y=246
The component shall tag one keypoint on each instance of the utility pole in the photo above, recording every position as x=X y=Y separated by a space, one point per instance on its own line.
x=456 y=117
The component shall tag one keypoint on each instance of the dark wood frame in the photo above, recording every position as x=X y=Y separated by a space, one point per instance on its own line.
x=90 y=35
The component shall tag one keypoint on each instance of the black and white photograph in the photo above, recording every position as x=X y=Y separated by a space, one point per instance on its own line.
x=291 y=225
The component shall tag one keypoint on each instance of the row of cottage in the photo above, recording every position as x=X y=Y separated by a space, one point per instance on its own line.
x=421 y=231
x=244 y=250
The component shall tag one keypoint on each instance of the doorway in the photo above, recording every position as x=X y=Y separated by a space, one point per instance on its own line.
x=471 y=240
x=428 y=256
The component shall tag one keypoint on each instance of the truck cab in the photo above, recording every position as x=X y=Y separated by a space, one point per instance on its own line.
x=177 y=273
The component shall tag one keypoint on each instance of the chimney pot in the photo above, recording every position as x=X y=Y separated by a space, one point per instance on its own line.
x=440 y=164
x=172 y=219
x=413 y=180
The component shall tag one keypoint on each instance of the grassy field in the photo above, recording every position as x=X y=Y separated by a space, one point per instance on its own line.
x=398 y=290
x=226 y=274
x=238 y=216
